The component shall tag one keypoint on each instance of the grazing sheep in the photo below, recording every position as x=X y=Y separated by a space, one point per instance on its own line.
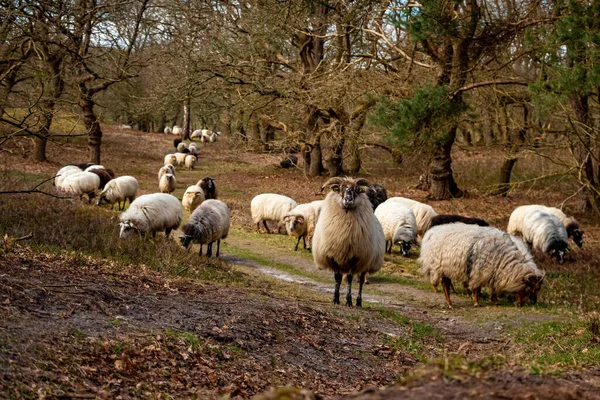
x=479 y=256
x=442 y=219
x=570 y=223
x=180 y=159
x=93 y=167
x=209 y=187
x=190 y=161
x=289 y=161
x=119 y=190
x=197 y=134
x=79 y=184
x=270 y=207
x=399 y=225
x=63 y=173
x=301 y=221
x=170 y=159
x=214 y=136
x=423 y=213
x=377 y=195
x=208 y=223
x=167 y=183
x=192 y=198
x=149 y=214
x=166 y=169
x=167 y=130
x=541 y=230
x=181 y=146
x=177 y=130
x=205 y=135
x=193 y=148
x=105 y=175
x=348 y=237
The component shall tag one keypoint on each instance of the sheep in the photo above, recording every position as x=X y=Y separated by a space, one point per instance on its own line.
x=423 y=213
x=166 y=169
x=197 y=134
x=399 y=225
x=209 y=187
x=443 y=219
x=192 y=198
x=479 y=256
x=167 y=184
x=119 y=190
x=181 y=146
x=167 y=130
x=214 y=136
x=190 y=161
x=570 y=223
x=193 y=148
x=105 y=175
x=270 y=207
x=170 y=159
x=289 y=161
x=93 y=167
x=541 y=230
x=208 y=223
x=63 y=173
x=176 y=130
x=205 y=135
x=81 y=166
x=348 y=238
x=79 y=184
x=377 y=195
x=176 y=143
x=127 y=127
x=301 y=221
x=180 y=159
x=149 y=214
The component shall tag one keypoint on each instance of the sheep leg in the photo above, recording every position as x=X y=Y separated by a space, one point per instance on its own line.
x=389 y=249
x=297 y=243
x=361 y=281
x=475 y=294
x=218 y=246
x=209 y=250
x=200 y=252
x=266 y=226
x=494 y=299
x=349 y=291
x=258 y=227
x=168 y=232
x=336 y=293
x=446 y=283
x=367 y=278
x=304 y=241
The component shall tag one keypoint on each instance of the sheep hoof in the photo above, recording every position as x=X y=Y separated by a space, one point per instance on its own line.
x=359 y=302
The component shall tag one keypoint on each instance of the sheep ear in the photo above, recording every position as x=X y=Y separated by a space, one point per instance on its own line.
x=333 y=182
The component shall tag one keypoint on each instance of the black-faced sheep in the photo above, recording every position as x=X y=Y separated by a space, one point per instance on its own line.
x=192 y=198
x=570 y=223
x=209 y=187
x=423 y=213
x=151 y=213
x=479 y=256
x=442 y=219
x=176 y=143
x=167 y=183
x=208 y=223
x=270 y=207
x=377 y=195
x=541 y=230
x=399 y=225
x=119 y=190
x=301 y=221
x=348 y=238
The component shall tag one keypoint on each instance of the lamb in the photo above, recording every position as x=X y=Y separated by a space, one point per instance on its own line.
x=181 y=146
x=170 y=159
x=301 y=221
x=348 y=237
x=443 y=219
x=119 y=190
x=377 y=195
x=423 y=213
x=167 y=183
x=149 y=214
x=270 y=207
x=190 y=161
x=209 y=187
x=209 y=223
x=167 y=130
x=399 y=225
x=166 y=169
x=479 y=256
x=176 y=130
x=541 y=230
x=79 y=184
x=192 y=198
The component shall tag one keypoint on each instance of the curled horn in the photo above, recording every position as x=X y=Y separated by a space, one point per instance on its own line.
x=334 y=180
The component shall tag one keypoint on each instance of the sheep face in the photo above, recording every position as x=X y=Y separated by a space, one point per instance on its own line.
x=349 y=191
x=186 y=240
x=577 y=237
x=128 y=230
x=559 y=251
x=533 y=284
x=405 y=248
x=293 y=221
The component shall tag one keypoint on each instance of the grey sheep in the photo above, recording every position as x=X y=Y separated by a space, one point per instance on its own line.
x=208 y=223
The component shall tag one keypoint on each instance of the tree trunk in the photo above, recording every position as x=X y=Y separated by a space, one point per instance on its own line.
x=443 y=185
x=505 y=174
x=334 y=163
x=186 y=119
x=40 y=148
x=255 y=134
x=267 y=134
x=316 y=159
x=355 y=161
x=93 y=128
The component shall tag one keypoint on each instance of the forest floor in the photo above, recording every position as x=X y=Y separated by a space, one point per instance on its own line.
x=83 y=319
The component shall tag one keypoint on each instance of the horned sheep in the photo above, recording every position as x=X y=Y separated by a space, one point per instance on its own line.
x=423 y=213
x=208 y=223
x=348 y=238
x=301 y=221
x=151 y=213
x=119 y=190
x=270 y=207
x=167 y=183
x=192 y=198
x=479 y=256
x=399 y=225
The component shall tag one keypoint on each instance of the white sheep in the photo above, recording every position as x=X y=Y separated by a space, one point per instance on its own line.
x=192 y=198
x=167 y=130
x=570 y=223
x=63 y=173
x=348 y=237
x=177 y=130
x=205 y=135
x=423 y=213
x=93 y=167
x=208 y=223
x=79 y=184
x=190 y=161
x=167 y=183
x=193 y=148
x=399 y=225
x=301 y=221
x=214 y=136
x=270 y=207
x=119 y=190
x=540 y=229
x=149 y=214
x=166 y=169
x=197 y=134
x=181 y=147
x=170 y=159
x=479 y=256
x=180 y=159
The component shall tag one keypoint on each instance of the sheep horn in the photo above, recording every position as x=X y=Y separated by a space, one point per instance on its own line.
x=331 y=181
x=363 y=182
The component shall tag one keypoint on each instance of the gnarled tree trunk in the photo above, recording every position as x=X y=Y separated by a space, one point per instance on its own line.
x=443 y=185
x=93 y=128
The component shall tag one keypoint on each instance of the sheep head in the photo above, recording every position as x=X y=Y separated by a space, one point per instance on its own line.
x=128 y=229
x=532 y=285
x=348 y=189
x=293 y=221
x=559 y=251
x=186 y=240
